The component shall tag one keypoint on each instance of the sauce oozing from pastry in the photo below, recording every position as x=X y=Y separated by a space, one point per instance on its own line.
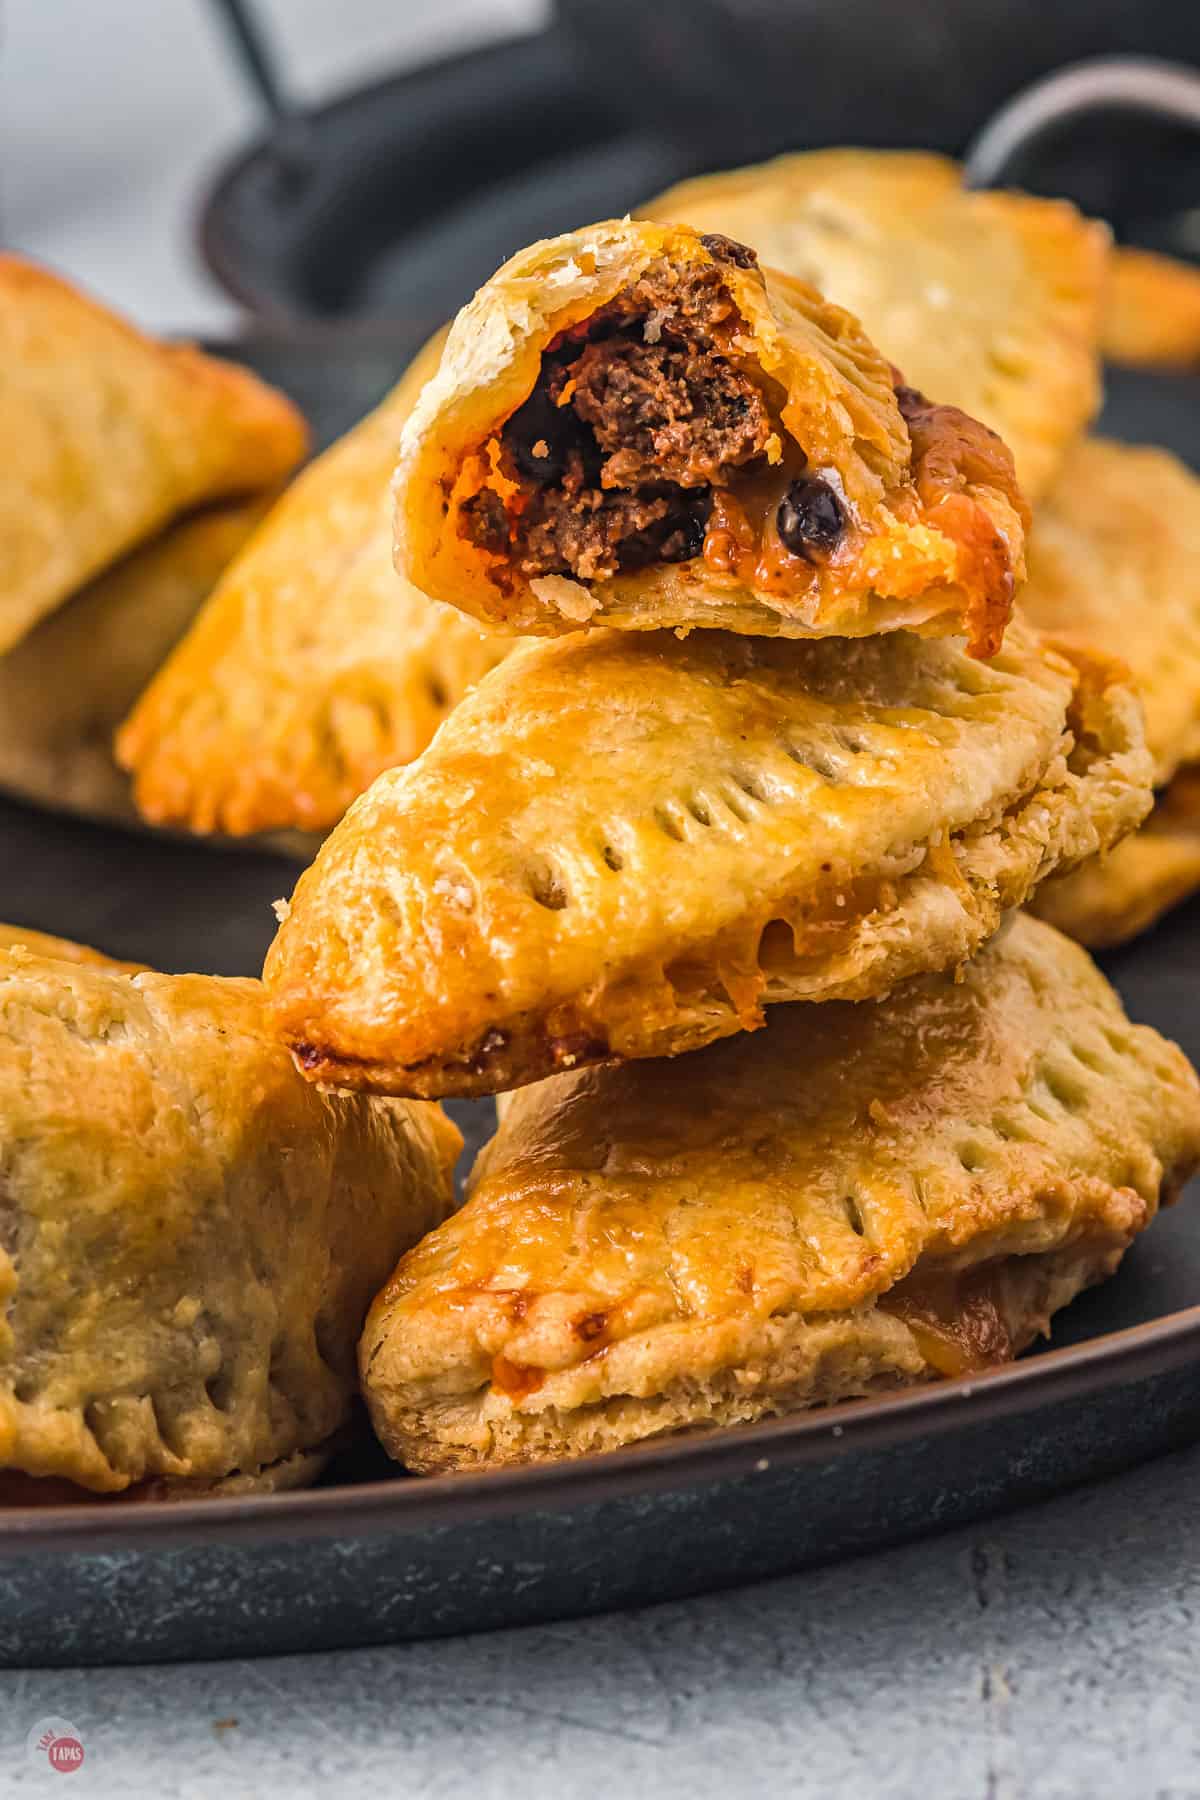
x=956 y=1318
x=645 y=441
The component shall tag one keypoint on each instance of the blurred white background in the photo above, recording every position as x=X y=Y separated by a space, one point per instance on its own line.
x=114 y=114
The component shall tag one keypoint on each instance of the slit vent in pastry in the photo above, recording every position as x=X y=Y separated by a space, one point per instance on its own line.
x=854 y=1199
x=638 y=426
x=189 y=1234
x=623 y=846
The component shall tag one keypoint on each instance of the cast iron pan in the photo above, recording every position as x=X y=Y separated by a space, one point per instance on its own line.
x=372 y=1555
x=396 y=201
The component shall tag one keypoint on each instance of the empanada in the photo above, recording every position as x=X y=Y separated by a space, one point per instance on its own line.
x=314 y=666
x=622 y=845
x=1115 y=567
x=1113 y=898
x=857 y=1197
x=634 y=425
x=106 y=435
x=67 y=685
x=987 y=301
x=192 y=1233
x=1152 y=312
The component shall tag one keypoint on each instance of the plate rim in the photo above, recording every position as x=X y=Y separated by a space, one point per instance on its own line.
x=410 y=1503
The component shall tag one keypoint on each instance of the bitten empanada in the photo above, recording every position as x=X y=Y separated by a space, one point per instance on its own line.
x=67 y=685
x=987 y=301
x=856 y=1198
x=624 y=845
x=107 y=435
x=1152 y=311
x=192 y=1233
x=1114 y=566
x=314 y=666
x=634 y=425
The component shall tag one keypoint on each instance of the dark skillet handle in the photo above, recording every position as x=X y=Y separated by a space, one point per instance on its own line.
x=290 y=138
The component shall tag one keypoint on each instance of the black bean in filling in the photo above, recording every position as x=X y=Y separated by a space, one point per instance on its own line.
x=626 y=431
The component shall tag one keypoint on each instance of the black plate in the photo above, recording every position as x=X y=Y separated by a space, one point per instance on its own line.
x=373 y=1556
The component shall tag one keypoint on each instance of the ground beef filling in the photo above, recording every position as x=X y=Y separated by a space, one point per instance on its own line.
x=635 y=417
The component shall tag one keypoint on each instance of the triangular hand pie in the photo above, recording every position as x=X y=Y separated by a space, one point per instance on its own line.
x=623 y=845
x=987 y=301
x=192 y=1233
x=70 y=681
x=1114 y=565
x=634 y=425
x=855 y=1198
x=314 y=666
x=107 y=435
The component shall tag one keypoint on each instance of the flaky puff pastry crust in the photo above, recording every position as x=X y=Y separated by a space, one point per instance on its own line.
x=193 y=1233
x=314 y=666
x=935 y=521
x=106 y=435
x=1114 y=566
x=624 y=845
x=988 y=301
x=67 y=685
x=855 y=1198
x=27 y=942
x=1152 y=313
x=1113 y=898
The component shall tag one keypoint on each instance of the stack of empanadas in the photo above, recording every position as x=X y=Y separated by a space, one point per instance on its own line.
x=1000 y=303
x=133 y=470
x=775 y=775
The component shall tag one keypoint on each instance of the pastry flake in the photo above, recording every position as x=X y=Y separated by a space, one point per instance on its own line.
x=67 y=685
x=193 y=1233
x=107 y=435
x=314 y=666
x=623 y=845
x=854 y=1199
x=988 y=301
x=635 y=425
x=1113 y=898
x=1114 y=566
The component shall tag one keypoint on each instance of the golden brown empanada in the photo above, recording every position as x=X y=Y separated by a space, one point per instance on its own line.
x=855 y=1198
x=987 y=301
x=1152 y=312
x=314 y=666
x=622 y=845
x=67 y=685
x=192 y=1232
x=107 y=435
x=1115 y=566
x=637 y=426
x=1113 y=898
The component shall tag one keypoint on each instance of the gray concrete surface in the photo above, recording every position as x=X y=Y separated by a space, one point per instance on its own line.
x=1051 y=1655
